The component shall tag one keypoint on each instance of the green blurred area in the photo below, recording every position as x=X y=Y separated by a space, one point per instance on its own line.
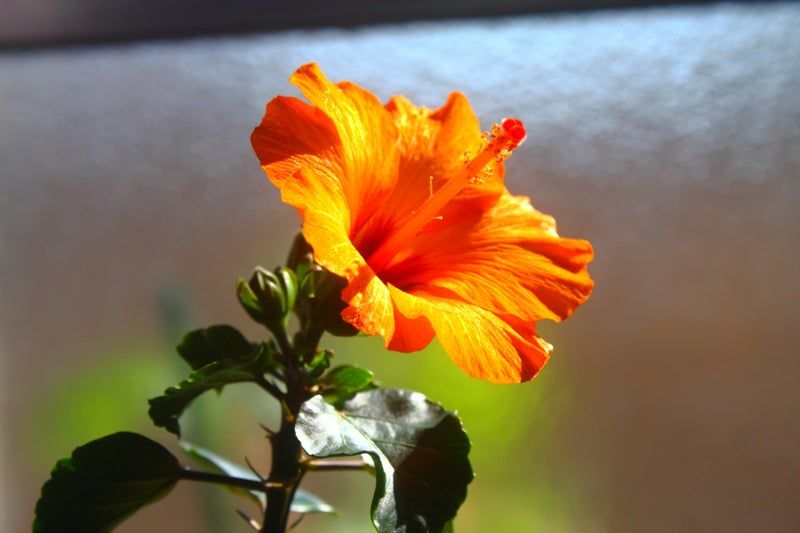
x=514 y=431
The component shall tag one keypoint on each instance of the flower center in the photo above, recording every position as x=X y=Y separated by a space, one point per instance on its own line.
x=503 y=139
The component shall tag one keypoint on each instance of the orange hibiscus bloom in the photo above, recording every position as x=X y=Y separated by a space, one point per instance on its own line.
x=408 y=205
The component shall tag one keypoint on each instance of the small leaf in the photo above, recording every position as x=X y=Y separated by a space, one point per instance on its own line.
x=319 y=363
x=343 y=382
x=104 y=482
x=420 y=453
x=166 y=409
x=205 y=346
x=304 y=502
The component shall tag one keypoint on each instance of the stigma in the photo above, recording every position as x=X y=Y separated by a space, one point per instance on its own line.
x=497 y=146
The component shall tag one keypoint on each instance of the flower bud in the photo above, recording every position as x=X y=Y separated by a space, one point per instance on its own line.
x=290 y=287
x=268 y=297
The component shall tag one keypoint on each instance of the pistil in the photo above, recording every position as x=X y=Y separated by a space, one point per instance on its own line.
x=504 y=138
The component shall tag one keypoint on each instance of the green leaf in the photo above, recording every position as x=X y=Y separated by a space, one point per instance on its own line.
x=104 y=482
x=304 y=502
x=205 y=346
x=343 y=382
x=319 y=364
x=165 y=410
x=224 y=466
x=419 y=449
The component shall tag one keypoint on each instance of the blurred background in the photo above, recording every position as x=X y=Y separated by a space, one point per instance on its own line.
x=669 y=136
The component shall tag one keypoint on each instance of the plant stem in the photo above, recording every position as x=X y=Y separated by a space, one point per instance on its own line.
x=286 y=471
x=283 y=342
x=269 y=387
x=285 y=477
x=221 y=479
x=323 y=465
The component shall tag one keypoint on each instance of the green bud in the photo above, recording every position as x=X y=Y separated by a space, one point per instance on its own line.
x=311 y=280
x=264 y=297
x=288 y=282
x=249 y=300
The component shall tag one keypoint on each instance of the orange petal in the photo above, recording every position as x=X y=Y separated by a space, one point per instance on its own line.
x=508 y=261
x=481 y=343
x=292 y=135
x=332 y=161
x=369 y=155
x=316 y=193
x=299 y=150
x=325 y=218
x=370 y=307
x=432 y=145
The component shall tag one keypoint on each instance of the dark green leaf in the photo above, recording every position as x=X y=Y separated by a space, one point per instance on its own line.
x=419 y=449
x=304 y=502
x=104 y=482
x=166 y=409
x=205 y=346
x=344 y=382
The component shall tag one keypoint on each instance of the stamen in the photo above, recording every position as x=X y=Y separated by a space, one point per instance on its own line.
x=498 y=146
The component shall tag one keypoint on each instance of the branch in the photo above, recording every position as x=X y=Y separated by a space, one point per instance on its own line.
x=270 y=387
x=221 y=479
x=322 y=465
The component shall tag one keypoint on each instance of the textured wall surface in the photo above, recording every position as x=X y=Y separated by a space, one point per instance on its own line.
x=668 y=137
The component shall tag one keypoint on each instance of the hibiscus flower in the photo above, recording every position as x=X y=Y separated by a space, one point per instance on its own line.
x=408 y=205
